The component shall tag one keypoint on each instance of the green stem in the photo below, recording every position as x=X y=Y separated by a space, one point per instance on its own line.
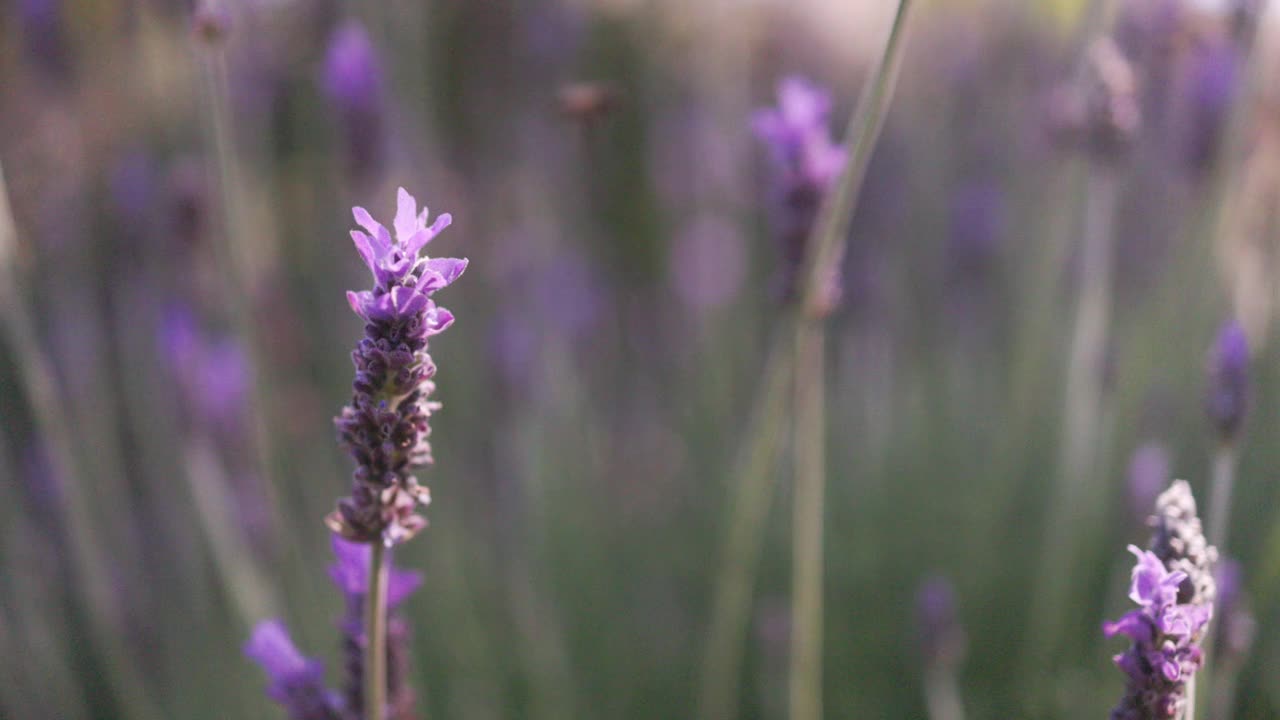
x=1216 y=529
x=753 y=486
x=375 y=633
x=822 y=264
x=807 y=523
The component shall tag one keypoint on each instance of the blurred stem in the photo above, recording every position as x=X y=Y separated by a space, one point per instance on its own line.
x=823 y=263
x=826 y=246
x=35 y=373
x=233 y=254
x=807 y=523
x=752 y=490
x=1072 y=499
x=941 y=694
x=375 y=635
x=1224 y=473
x=241 y=577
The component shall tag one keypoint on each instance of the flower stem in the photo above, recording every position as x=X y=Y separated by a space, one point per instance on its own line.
x=375 y=633
x=807 y=523
x=752 y=492
x=822 y=266
x=1224 y=474
x=941 y=694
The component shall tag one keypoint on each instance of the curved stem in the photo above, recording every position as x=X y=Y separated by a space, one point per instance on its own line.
x=753 y=487
x=375 y=636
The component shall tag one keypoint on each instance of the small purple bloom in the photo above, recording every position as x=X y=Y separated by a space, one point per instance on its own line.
x=977 y=227
x=806 y=164
x=296 y=682
x=1228 y=395
x=42 y=29
x=1148 y=476
x=353 y=81
x=942 y=639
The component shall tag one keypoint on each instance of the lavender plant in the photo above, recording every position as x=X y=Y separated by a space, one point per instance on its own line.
x=353 y=83
x=1173 y=586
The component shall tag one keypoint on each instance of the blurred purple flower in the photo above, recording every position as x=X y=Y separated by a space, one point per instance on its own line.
x=353 y=81
x=296 y=682
x=1227 y=400
x=1148 y=476
x=977 y=220
x=1165 y=650
x=42 y=31
x=350 y=572
x=942 y=639
x=806 y=164
x=133 y=186
x=385 y=427
x=213 y=375
x=707 y=262
x=1213 y=82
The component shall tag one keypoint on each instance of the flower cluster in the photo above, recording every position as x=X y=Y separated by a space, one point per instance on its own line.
x=353 y=82
x=806 y=162
x=1165 y=652
x=1178 y=540
x=297 y=682
x=385 y=427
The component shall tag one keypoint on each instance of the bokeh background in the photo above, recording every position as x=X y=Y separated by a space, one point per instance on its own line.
x=178 y=341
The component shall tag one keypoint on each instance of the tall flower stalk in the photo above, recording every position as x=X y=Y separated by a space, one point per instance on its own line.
x=386 y=426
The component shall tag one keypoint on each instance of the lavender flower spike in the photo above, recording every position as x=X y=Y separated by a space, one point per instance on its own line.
x=353 y=82
x=297 y=682
x=806 y=164
x=385 y=427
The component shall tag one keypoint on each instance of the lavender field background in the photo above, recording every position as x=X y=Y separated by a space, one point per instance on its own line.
x=1058 y=294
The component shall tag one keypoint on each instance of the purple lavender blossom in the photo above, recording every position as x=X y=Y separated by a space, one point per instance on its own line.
x=977 y=219
x=1213 y=86
x=1178 y=540
x=942 y=639
x=213 y=375
x=385 y=427
x=1165 y=651
x=1228 y=396
x=1148 y=476
x=42 y=30
x=351 y=574
x=353 y=82
x=296 y=682
x=806 y=165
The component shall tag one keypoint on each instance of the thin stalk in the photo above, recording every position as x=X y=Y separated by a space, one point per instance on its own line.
x=754 y=476
x=35 y=373
x=1224 y=475
x=805 y=689
x=1220 y=491
x=235 y=255
x=1079 y=456
x=375 y=636
x=822 y=264
x=942 y=696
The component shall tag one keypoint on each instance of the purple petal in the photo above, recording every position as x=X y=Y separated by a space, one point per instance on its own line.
x=419 y=239
x=407 y=301
x=406 y=215
x=271 y=647
x=438 y=320
x=365 y=247
x=358 y=301
x=448 y=268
